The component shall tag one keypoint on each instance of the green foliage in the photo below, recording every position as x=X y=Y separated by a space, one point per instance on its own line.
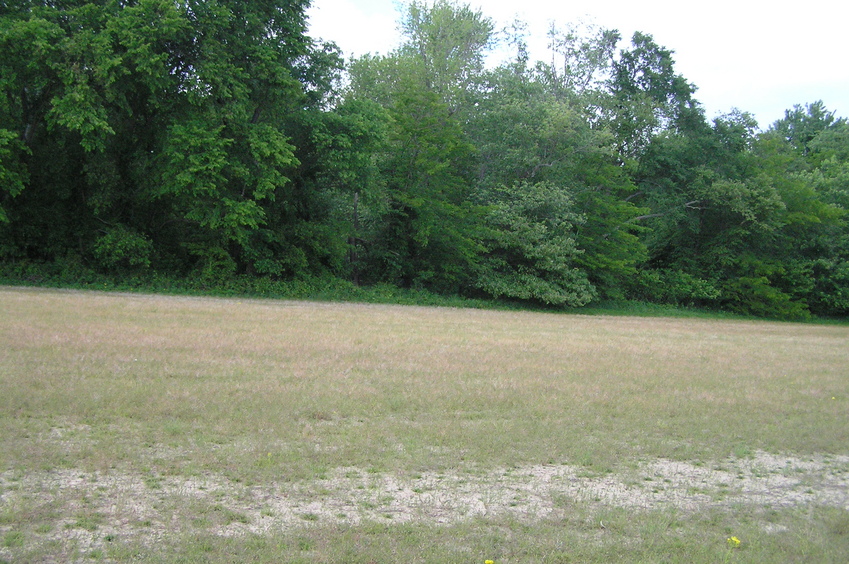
x=610 y=236
x=120 y=246
x=13 y=173
x=648 y=96
x=173 y=113
x=215 y=140
x=427 y=230
x=674 y=287
x=531 y=249
x=526 y=130
x=829 y=294
x=800 y=126
x=756 y=295
x=448 y=41
x=427 y=234
x=740 y=210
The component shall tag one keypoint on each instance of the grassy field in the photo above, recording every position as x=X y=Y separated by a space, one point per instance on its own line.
x=177 y=429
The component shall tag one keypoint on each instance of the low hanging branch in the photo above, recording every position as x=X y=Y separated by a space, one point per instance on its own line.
x=689 y=205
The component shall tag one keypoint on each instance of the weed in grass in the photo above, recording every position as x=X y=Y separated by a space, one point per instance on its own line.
x=837 y=522
x=309 y=517
x=742 y=451
x=201 y=523
x=13 y=539
x=87 y=521
x=152 y=482
x=228 y=516
x=236 y=517
x=304 y=544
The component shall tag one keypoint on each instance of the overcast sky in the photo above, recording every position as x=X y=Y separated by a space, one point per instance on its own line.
x=761 y=57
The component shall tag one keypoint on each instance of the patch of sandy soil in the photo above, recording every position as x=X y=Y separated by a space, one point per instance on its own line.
x=89 y=509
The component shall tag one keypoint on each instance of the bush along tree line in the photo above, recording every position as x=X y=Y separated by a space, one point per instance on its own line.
x=214 y=140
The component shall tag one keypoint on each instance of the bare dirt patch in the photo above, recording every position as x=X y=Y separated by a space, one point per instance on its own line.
x=91 y=508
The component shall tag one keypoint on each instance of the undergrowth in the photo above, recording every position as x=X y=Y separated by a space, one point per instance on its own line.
x=72 y=275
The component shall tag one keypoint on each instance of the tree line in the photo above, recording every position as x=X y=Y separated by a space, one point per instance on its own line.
x=210 y=139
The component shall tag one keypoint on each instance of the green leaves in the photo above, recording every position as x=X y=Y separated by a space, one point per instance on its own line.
x=158 y=114
x=448 y=42
x=13 y=173
x=196 y=157
x=122 y=247
x=214 y=138
x=531 y=247
x=648 y=96
x=79 y=110
x=272 y=154
x=430 y=209
x=743 y=211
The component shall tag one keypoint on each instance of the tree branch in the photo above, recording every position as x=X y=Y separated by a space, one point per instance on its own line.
x=689 y=205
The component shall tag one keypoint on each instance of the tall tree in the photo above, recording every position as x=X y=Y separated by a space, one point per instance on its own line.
x=801 y=125
x=538 y=152
x=449 y=41
x=156 y=127
x=732 y=222
x=427 y=233
x=808 y=152
x=582 y=59
x=648 y=95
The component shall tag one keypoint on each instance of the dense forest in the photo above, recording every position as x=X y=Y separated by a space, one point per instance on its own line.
x=213 y=140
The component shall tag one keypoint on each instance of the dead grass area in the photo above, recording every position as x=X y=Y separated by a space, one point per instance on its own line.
x=148 y=418
x=88 y=510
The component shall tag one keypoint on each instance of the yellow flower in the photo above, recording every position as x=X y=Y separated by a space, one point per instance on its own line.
x=488 y=562
x=733 y=542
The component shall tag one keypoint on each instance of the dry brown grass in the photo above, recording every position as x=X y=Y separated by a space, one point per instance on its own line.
x=252 y=391
x=356 y=383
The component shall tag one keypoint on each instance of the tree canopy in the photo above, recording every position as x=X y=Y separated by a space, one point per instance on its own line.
x=216 y=139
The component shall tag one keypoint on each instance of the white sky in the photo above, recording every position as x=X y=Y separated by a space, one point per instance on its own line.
x=761 y=57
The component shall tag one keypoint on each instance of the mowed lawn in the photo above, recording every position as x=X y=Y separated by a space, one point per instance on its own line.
x=161 y=401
